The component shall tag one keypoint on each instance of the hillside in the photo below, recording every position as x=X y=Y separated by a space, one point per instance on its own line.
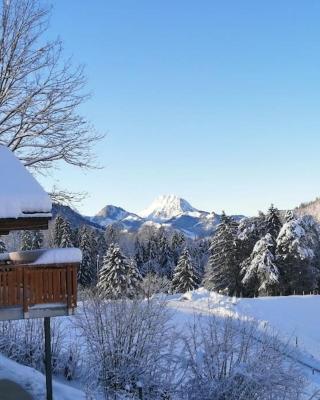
x=75 y=218
x=310 y=208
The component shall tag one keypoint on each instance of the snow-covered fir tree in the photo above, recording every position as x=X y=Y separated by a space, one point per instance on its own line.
x=119 y=276
x=177 y=244
x=199 y=253
x=165 y=255
x=66 y=234
x=135 y=279
x=87 y=267
x=37 y=239
x=222 y=271
x=57 y=233
x=26 y=240
x=185 y=275
x=273 y=222
x=3 y=247
x=100 y=250
x=250 y=230
x=112 y=234
x=260 y=272
x=150 y=255
x=297 y=246
x=289 y=216
x=75 y=236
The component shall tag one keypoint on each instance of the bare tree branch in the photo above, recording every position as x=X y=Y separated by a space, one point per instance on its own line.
x=40 y=93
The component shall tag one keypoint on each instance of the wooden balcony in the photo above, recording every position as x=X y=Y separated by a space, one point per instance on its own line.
x=36 y=291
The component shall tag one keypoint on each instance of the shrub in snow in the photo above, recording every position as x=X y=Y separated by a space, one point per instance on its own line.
x=260 y=272
x=119 y=276
x=129 y=344
x=153 y=284
x=23 y=342
x=234 y=360
x=185 y=275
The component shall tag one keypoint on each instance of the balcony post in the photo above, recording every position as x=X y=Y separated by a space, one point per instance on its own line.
x=48 y=362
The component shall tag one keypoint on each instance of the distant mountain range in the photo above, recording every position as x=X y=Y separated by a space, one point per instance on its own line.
x=169 y=211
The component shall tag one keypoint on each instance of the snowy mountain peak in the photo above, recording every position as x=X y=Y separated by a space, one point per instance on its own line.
x=165 y=207
x=112 y=212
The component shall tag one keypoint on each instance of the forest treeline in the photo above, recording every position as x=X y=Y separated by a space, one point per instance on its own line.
x=271 y=254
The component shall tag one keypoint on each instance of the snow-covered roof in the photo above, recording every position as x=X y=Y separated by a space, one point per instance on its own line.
x=20 y=194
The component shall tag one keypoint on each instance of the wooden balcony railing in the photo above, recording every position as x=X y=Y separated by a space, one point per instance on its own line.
x=28 y=286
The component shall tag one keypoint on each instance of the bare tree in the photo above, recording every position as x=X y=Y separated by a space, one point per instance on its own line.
x=40 y=92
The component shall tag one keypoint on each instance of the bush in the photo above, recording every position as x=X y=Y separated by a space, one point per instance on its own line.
x=23 y=342
x=230 y=359
x=129 y=344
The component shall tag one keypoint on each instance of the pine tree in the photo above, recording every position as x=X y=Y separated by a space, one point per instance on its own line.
x=75 y=236
x=135 y=279
x=3 y=248
x=249 y=232
x=222 y=272
x=66 y=234
x=26 y=240
x=177 y=245
x=139 y=254
x=289 y=216
x=118 y=276
x=58 y=224
x=87 y=267
x=165 y=256
x=185 y=275
x=112 y=234
x=37 y=240
x=31 y=240
x=260 y=272
x=151 y=256
x=297 y=245
x=273 y=222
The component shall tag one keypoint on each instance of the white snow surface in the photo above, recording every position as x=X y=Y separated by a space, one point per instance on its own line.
x=34 y=382
x=165 y=207
x=44 y=256
x=294 y=317
x=20 y=192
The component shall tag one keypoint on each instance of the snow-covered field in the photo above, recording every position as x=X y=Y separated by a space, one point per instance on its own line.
x=296 y=318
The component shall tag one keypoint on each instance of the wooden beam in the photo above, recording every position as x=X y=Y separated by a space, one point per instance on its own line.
x=23 y=224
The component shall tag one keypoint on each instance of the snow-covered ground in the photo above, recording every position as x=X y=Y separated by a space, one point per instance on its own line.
x=295 y=318
x=34 y=382
x=292 y=316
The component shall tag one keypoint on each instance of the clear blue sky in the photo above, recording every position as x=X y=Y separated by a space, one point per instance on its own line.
x=215 y=101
